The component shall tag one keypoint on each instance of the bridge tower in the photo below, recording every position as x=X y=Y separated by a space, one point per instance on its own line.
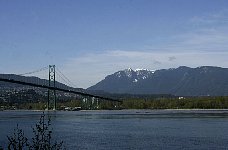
x=51 y=93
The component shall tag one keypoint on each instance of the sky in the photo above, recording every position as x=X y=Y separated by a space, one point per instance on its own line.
x=90 y=39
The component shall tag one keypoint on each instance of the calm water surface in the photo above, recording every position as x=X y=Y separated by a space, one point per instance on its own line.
x=128 y=129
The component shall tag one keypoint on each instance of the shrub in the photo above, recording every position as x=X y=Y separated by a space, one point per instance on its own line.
x=42 y=139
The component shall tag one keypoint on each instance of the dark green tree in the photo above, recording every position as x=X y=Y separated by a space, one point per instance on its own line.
x=42 y=139
x=17 y=141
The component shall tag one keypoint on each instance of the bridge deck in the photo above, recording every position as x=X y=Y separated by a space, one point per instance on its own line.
x=56 y=88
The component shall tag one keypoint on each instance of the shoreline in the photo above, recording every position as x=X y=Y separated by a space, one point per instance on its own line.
x=117 y=110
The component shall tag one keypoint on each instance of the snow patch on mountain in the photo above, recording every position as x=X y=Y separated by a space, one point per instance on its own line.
x=135 y=75
x=129 y=72
x=144 y=77
x=143 y=69
x=135 y=80
x=118 y=74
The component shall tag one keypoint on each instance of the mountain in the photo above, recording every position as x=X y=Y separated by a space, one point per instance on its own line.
x=182 y=81
x=29 y=79
x=121 y=81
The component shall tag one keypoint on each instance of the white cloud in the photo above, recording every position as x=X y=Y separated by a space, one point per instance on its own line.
x=203 y=33
x=91 y=68
x=206 y=44
x=219 y=17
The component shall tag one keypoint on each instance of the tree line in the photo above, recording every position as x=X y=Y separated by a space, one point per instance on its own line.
x=176 y=103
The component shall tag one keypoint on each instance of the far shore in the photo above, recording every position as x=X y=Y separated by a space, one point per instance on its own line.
x=195 y=109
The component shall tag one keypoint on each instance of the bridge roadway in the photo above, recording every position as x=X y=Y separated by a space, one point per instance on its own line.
x=56 y=88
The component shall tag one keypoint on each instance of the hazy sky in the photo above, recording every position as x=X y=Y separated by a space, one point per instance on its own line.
x=89 y=39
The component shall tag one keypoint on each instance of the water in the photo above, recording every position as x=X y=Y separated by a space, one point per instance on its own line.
x=128 y=129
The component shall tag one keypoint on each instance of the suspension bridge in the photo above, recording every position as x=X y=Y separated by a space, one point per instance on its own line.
x=51 y=84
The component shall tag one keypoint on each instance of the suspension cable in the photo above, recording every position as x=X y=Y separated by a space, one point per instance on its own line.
x=58 y=72
x=35 y=71
x=65 y=82
x=69 y=82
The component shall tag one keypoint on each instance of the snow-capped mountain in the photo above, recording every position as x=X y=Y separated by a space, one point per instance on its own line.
x=200 y=81
x=134 y=75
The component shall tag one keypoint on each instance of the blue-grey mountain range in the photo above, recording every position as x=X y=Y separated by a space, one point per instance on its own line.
x=181 y=81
